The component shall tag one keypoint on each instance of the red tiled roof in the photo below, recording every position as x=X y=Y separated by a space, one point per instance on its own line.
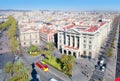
x=102 y=23
x=71 y=48
x=92 y=29
x=70 y=26
x=27 y=29
x=81 y=22
x=47 y=31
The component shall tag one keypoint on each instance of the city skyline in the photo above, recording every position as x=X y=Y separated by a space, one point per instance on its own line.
x=60 y=5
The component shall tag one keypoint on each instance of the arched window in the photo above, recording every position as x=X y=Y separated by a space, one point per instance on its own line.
x=74 y=54
x=64 y=51
x=69 y=52
x=84 y=53
x=90 y=54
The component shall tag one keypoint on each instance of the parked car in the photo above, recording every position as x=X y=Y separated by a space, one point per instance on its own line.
x=16 y=58
x=102 y=68
x=52 y=79
x=42 y=65
x=0 y=48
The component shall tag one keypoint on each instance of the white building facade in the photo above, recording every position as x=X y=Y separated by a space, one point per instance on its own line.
x=29 y=36
x=83 y=41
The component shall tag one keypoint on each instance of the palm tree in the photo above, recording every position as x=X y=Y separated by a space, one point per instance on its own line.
x=9 y=68
x=25 y=73
x=17 y=66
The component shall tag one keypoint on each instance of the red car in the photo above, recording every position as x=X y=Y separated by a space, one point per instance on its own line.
x=42 y=65
x=117 y=79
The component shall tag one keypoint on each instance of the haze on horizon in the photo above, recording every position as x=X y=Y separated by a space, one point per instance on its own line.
x=60 y=4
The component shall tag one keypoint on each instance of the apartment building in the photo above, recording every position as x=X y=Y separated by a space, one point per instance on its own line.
x=47 y=35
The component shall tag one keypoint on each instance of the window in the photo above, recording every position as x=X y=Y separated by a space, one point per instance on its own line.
x=36 y=36
x=84 y=41
x=60 y=41
x=30 y=36
x=90 y=38
x=24 y=43
x=78 y=42
x=84 y=46
x=69 y=41
x=73 y=41
x=90 y=53
x=36 y=41
x=84 y=52
x=24 y=37
x=90 y=42
x=90 y=46
x=59 y=36
x=30 y=42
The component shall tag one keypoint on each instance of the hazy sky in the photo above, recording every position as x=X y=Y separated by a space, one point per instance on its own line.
x=61 y=4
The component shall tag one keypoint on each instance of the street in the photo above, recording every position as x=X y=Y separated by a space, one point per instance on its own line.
x=109 y=73
x=5 y=55
x=44 y=76
x=118 y=57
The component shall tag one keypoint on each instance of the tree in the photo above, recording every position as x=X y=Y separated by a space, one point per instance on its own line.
x=19 y=70
x=110 y=52
x=33 y=48
x=50 y=46
x=67 y=62
x=11 y=33
x=17 y=66
x=13 y=44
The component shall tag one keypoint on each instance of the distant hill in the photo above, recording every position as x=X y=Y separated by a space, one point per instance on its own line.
x=8 y=10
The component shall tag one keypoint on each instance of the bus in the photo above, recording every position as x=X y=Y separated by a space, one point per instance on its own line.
x=42 y=65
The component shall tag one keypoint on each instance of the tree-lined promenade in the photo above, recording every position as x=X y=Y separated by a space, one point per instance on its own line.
x=11 y=26
x=16 y=70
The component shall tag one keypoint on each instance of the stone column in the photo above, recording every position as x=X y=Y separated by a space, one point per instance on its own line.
x=77 y=54
x=71 y=41
x=67 y=52
x=72 y=53
x=62 y=51
x=80 y=42
x=66 y=40
x=75 y=42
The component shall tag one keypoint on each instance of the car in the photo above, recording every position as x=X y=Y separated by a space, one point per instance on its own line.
x=16 y=58
x=52 y=79
x=42 y=65
x=102 y=68
x=0 y=48
x=102 y=62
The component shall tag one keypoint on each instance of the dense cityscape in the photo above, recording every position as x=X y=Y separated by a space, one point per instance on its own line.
x=59 y=40
x=48 y=45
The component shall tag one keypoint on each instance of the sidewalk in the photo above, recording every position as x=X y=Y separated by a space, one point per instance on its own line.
x=111 y=65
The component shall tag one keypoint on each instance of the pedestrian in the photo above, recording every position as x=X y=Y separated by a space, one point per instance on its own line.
x=76 y=62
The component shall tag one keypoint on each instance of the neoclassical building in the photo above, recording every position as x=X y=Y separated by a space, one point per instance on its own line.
x=81 y=41
x=29 y=36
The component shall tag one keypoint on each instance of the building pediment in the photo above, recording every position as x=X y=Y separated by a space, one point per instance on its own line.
x=74 y=31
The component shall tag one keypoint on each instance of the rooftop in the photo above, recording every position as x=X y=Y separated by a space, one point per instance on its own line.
x=47 y=31
x=86 y=28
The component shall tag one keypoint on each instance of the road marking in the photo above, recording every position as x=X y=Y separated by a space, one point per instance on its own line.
x=56 y=75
